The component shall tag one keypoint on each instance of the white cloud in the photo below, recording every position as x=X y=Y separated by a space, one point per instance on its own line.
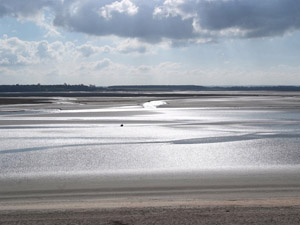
x=124 y=6
x=173 y=8
x=43 y=50
x=16 y=52
x=144 y=68
x=133 y=46
x=127 y=46
x=88 y=50
x=58 y=63
x=102 y=64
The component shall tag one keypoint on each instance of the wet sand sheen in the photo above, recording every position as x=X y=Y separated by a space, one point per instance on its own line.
x=190 y=152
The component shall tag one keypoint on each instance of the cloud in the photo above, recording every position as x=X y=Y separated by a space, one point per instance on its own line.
x=253 y=18
x=28 y=8
x=14 y=52
x=124 y=6
x=194 y=21
x=126 y=46
x=39 y=11
x=140 y=23
x=144 y=68
x=87 y=50
x=17 y=52
x=58 y=62
x=43 y=50
x=201 y=21
x=132 y=46
x=102 y=64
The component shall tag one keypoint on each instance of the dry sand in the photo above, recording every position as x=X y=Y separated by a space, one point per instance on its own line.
x=139 y=211
x=243 y=205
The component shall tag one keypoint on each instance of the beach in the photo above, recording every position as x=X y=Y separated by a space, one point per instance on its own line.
x=190 y=158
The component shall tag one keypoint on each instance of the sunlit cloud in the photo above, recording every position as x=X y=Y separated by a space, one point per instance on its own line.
x=172 y=19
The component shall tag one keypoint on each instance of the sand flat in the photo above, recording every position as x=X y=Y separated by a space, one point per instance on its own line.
x=195 y=156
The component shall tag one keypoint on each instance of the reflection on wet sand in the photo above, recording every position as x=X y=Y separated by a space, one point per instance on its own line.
x=79 y=143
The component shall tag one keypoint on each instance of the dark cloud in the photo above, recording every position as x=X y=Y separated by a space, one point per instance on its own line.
x=87 y=18
x=176 y=20
x=255 y=18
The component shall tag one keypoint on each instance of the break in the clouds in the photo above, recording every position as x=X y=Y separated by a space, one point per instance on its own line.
x=154 y=21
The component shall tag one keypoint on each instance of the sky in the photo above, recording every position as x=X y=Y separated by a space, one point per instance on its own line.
x=150 y=42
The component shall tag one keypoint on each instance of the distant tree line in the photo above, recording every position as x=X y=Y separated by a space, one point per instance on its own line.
x=137 y=88
x=202 y=88
x=48 y=88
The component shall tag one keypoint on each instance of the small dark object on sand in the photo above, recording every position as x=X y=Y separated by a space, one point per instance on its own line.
x=121 y=125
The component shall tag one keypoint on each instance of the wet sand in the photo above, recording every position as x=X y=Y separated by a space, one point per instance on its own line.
x=247 y=196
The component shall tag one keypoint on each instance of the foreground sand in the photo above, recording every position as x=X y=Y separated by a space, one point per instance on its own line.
x=263 y=211
x=154 y=206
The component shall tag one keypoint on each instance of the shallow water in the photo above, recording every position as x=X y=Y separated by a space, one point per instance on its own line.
x=152 y=141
